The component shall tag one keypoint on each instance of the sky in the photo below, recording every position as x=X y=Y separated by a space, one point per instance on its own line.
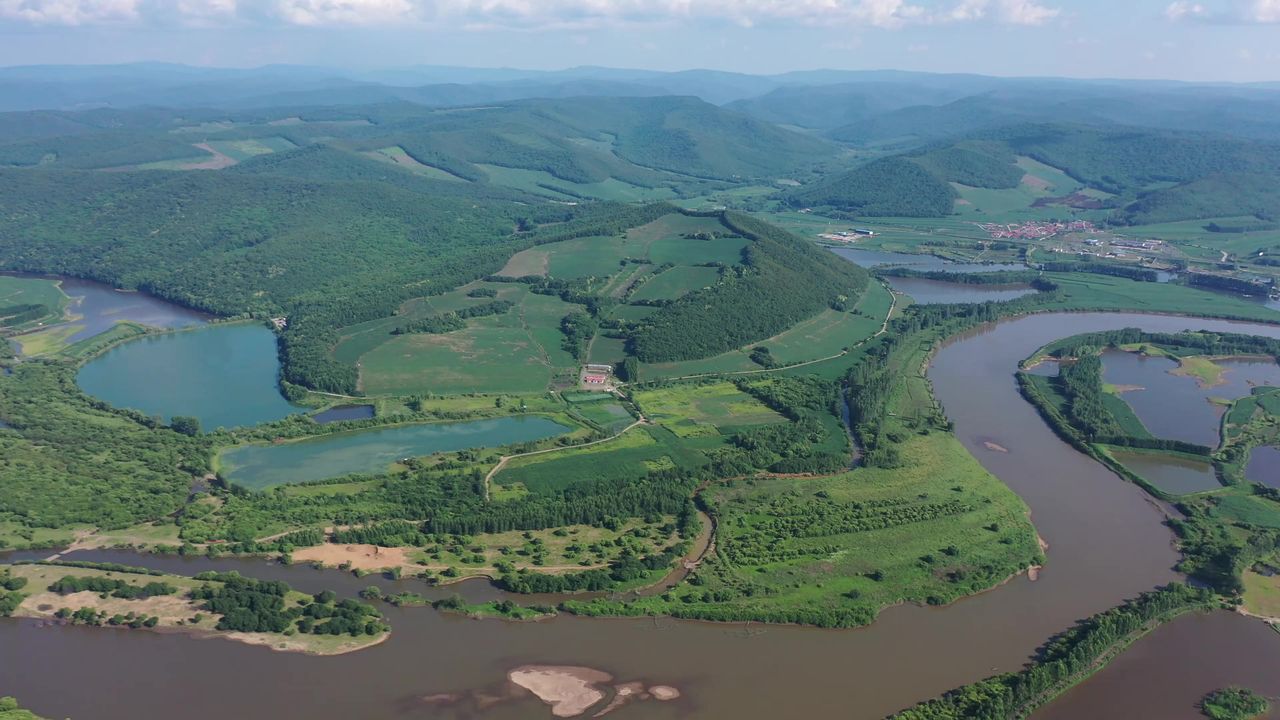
x=1231 y=40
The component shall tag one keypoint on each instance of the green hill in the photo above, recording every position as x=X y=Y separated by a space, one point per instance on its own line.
x=1155 y=175
x=782 y=280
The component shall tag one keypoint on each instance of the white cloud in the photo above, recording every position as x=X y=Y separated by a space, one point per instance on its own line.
x=1183 y=9
x=1026 y=12
x=538 y=13
x=344 y=12
x=1266 y=11
x=1247 y=12
x=68 y=12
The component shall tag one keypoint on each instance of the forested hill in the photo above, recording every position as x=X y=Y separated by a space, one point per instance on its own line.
x=1154 y=175
x=782 y=280
x=325 y=252
x=645 y=141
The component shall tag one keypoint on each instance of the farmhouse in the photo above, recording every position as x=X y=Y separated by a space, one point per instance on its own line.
x=595 y=379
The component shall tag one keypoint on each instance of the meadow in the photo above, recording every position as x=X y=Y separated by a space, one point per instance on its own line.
x=693 y=410
x=18 y=291
x=629 y=456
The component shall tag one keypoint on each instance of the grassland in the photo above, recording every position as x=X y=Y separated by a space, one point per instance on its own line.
x=396 y=154
x=516 y=352
x=1262 y=594
x=31 y=291
x=646 y=448
x=675 y=282
x=522 y=351
x=541 y=182
x=241 y=150
x=1100 y=292
x=703 y=409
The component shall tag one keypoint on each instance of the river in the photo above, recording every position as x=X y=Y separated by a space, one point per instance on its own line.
x=1106 y=543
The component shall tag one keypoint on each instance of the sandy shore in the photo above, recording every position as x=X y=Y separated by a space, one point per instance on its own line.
x=569 y=690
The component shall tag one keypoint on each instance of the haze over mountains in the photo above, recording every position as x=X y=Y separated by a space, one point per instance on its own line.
x=862 y=107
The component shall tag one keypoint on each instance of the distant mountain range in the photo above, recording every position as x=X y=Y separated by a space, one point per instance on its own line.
x=874 y=108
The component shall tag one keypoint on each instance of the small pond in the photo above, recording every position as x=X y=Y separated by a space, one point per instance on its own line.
x=1264 y=466
x=1172 y=473
x=372 y=451
x=225 y=375
x=338 y=413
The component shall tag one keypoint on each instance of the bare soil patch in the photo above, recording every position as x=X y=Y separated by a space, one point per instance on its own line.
x=217 y=162
x=360 y=557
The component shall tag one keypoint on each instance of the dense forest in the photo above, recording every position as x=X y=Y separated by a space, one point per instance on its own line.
x=66 y=458
x=894 y=187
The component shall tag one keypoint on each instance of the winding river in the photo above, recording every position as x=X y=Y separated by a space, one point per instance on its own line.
x=1106 y=543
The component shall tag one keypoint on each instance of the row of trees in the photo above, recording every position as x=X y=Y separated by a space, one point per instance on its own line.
x=1064 y=660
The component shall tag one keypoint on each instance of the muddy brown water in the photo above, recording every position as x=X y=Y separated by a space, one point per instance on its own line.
x=1106 y=542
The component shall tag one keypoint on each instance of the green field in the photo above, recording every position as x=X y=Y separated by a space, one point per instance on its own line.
x=600 y=256
x=799 y=538
x=627 y=457
x=610 y=417
x=687 y=251
x=695 y=410
x=241 y=150
x=479 y=359
x=32 y=291
x=1100 y=292
x=397 y=155
x=671 y=284
x=516 y=352
x=823 y=335
x=541 y=182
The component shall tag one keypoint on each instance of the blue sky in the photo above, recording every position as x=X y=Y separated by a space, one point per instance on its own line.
x=1235 y=40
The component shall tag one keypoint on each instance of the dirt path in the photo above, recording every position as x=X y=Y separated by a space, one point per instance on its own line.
x=502 y=462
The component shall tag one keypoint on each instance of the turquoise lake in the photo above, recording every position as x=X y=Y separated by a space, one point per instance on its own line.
x=372 y=451
x=225 y=375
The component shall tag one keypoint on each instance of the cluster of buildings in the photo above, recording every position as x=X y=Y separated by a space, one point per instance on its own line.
x=848 y=236
x=1035 y=229
x=596 y=374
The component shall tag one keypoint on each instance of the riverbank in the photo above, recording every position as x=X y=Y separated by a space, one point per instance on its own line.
x=172 y=606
